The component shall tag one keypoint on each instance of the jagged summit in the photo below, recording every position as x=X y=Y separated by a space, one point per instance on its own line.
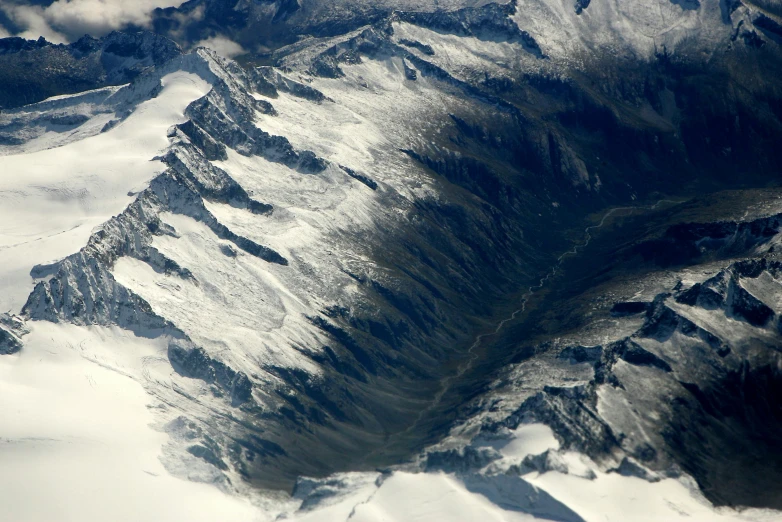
x=577 y=32
x=485 y=248
x=31 y=71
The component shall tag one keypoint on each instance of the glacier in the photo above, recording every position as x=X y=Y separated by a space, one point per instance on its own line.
x=440 y=264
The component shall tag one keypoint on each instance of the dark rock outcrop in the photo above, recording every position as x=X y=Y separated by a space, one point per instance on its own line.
x=33 y=70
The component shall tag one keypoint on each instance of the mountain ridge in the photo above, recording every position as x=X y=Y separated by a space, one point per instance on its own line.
x=316 y=246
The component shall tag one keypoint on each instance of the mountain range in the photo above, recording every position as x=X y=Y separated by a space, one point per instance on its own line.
x=455 y=260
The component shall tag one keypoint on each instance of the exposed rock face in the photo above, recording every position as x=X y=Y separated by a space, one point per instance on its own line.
x=348 y=347
x=276 y=80
x=81 y=289
x=580 y=5
x=696 y=242
x=84 y=291
x=12 y=329
x=274 y=23
x=693 y=389
x=490 y=21
x=32 y=71
x=330 y=235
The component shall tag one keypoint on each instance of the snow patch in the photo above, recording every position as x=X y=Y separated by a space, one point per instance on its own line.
x=51 y=200
x=76 y=442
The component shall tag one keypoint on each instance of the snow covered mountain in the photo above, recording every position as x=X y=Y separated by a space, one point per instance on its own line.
x=463 y=261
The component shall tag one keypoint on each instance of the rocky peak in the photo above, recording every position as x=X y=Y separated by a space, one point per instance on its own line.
x=35 y=70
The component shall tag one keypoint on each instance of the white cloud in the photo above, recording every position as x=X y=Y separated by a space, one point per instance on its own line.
x=222 y=46
x=32 y=18
x=185 y=19
x=98 y=17
x=3 y=32
x=70 y=19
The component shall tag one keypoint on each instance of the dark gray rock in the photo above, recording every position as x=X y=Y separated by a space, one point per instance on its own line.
x=580 y=5
x=460 y=460
x=10 y=343
x=413 y=44
x=628 y=308
x=360 y=177
x=279 y=82
x=31 y=71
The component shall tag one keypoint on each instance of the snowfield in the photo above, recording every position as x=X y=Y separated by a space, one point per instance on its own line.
x=79 y=439
x=94 y=420
x=77 y=442
x=52 y=199
x=76 y=439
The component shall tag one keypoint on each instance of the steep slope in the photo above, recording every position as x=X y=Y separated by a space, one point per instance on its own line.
x=315 y=259
x=605 y=421
x=31 y=71
x=653 y=386
x=268 y=24
x=75 y=162
x=76 y=440
x=157 y=269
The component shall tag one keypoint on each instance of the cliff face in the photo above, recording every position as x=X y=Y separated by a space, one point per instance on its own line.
x=368 y=248
x=330 y=309
x=35 y=70
x=681 y=381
